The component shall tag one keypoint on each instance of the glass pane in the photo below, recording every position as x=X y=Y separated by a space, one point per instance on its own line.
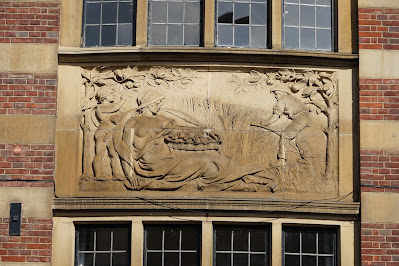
x=192 y=13
x=125 y=12
x=225 y=35
x=225 y=12
x=258 y=14
x=171 y=259
x=258 y=260
x=103 y=239
x=175 y=34
x=154 y=238
x=103 y=259
x=241 y=13
x=154 y=259
x=258 y=37
x=292 y=242
x=292 y=260
x=189 y=239
x=175 y=12
x=223 y=259
x=121 y=239
x=93 y=12
x=172 y=238
x=241 y=36
x=307 y=2
x=158 y=12
x=125 y=34
x=120 y=259
x=307 y=16
x=291 y=38
x=291 y=15
x=108 y=35
x=189 y=259
x=109 y=13
x=240 y=259
x=240 y=239
x=307 y=39
x=86 y=239
x=323 y=2
x=192 y=35
x=223 y=239
x=323 y=17
x=309 y=260
x=291 y=1
x=85 y=259
x=157 y=35
x=309 y=242
x=258 y=240
x=324 y=40
x=326 y=243
x=326 y=261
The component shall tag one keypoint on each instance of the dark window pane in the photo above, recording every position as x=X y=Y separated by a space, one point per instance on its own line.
x=240 y=259
x=309 y=242
x=157 y=35
x=85 y=259
x=172 y=236
x=307 y=16
x=120 y=259
x=291 y=16
x=86 y=239
x=109 y=13
x=108 y=36
x=189 y=239
x=192 y=12
x=258 y=240
x=308 y=38
x=258 y=14
x=154 y=238
x=189 y=259
x=324 y=40
x=258 y=37
x=92 y=36
x=223 y=240
x=292 y=260
x=326 y=243
x=121 y=238
x=326 y=261
x=93 y=12
x=241 y=36
x=307 y=2
x=125 y=34
x=225 y=35
x=175 y=12
x=292 y=1
x=158 y=12
x=323 y=2
x=225 y=12
x=103 y=239
x=323 y=17
x=240 y=239
x=241 y=13
x=154 y=259
x=175 y=34
x=171 y=259
x=223 y=259
x=191 y=35
x=125 y=12
x=309 y=260
x=103 y=259
x=258 y=260
x=292 y=242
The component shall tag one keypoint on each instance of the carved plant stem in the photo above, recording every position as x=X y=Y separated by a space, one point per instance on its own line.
x=331 y=149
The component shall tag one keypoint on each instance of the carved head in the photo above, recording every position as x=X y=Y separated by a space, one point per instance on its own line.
x=150 y=99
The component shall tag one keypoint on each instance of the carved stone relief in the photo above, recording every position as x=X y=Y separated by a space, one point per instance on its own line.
x=173 y=129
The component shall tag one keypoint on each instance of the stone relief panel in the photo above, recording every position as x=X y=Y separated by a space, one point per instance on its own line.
x=179 y=129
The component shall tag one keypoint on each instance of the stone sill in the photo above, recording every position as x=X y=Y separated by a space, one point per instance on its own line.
x=211 y=204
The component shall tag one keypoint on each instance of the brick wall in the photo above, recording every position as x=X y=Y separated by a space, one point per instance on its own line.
x=25 y=93
x=33 y=245
x=29 y=22
x=379 y=99
x=378 y=28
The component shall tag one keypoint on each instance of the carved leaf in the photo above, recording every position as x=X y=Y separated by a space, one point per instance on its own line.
x=308 y=91
x=313 y=79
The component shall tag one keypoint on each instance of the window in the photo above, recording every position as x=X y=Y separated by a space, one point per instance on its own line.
x=172 y=245
x=175 y=22
x=241 y=245
x=102 y=245
x=242 y=23
x=307 y=25
x=108 y=23
x=310 y=246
